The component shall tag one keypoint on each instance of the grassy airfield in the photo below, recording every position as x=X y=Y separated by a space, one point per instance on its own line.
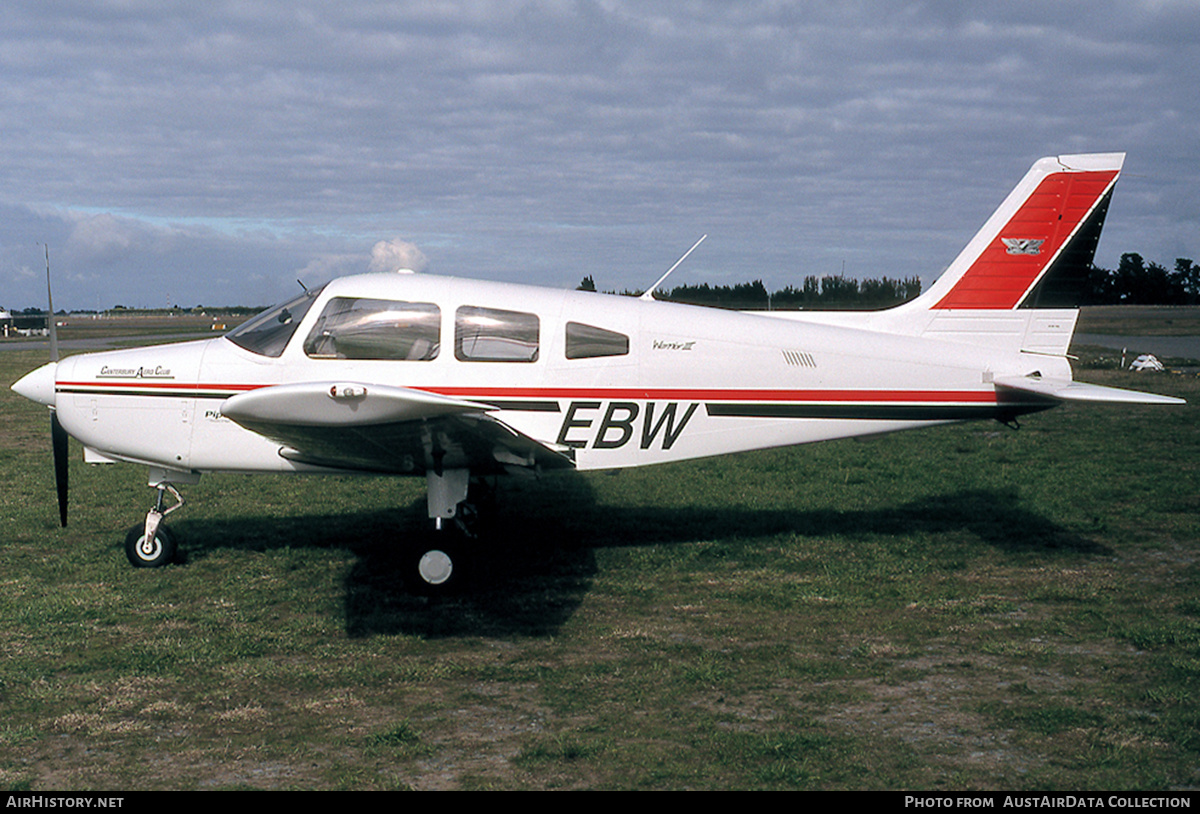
x=962 y=608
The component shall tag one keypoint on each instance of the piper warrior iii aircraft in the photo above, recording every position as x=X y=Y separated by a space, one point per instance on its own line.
x=458 y=380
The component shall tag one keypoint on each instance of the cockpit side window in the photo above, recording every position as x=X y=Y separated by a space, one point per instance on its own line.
x=493 y=335
x=361 y=328
x=590 y=342
x=268 y=333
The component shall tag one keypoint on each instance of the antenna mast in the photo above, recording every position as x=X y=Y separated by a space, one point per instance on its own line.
x=649 y=295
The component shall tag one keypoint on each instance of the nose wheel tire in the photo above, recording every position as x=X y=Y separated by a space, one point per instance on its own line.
x=153 y=554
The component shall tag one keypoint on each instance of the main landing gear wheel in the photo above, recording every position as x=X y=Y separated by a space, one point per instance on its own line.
x=435 y=569
x=157 y=552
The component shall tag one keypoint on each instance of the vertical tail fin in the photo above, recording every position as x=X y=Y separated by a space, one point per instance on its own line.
x=1037 y=249
x=1016 y=284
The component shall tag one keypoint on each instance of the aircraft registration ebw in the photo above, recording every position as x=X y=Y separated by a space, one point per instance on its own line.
x=458 y=380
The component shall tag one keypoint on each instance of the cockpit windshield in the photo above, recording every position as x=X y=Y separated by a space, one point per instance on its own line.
x=268 y=333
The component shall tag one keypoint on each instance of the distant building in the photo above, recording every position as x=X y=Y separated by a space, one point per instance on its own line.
x=22 y=324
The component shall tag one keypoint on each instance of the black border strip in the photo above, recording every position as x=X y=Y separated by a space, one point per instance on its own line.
x=869 y=412
x=169 y=394
x=523 y=406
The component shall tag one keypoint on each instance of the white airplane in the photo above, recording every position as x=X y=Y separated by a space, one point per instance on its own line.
x=458 y=380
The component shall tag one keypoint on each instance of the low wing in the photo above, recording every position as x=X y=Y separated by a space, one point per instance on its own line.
x=1067 y=390
x=378 y=428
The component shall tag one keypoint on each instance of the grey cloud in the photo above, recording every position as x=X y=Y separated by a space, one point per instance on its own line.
x=250 y=142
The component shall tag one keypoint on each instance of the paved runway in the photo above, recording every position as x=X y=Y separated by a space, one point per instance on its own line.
x=105 y=343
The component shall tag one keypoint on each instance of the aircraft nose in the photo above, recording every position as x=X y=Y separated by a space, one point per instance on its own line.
x=38 y=385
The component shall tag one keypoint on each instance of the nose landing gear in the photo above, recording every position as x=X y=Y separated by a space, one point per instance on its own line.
x=151 y=544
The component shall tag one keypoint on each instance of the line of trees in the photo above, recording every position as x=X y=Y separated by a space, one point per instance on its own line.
x=1136 y=282
x=829 y=292
x=1133 y=282
x=832 y=292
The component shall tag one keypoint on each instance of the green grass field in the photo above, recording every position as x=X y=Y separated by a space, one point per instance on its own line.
x=1152 y=320
x=968 y=607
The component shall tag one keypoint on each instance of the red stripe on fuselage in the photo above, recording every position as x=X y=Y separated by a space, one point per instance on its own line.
x=151 y=388
x=648 y=394
x=577 y=393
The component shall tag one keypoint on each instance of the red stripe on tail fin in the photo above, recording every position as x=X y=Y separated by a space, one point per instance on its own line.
x=1034 y=227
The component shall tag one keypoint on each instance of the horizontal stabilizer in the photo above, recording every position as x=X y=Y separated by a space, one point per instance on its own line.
x=1067 y=390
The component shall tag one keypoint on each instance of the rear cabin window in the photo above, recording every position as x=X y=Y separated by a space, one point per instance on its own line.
x=360 y=328
x=492 y=335
x=590 y=342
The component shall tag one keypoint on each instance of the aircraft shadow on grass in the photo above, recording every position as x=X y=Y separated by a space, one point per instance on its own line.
x=538 y=562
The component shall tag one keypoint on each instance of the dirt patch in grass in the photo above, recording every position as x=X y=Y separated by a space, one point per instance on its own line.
x=936 y=716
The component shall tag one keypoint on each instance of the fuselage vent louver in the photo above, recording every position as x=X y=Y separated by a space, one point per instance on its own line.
x=797 y=358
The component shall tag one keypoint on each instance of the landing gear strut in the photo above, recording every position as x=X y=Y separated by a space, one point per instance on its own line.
x=150 y=544
x=440 y=561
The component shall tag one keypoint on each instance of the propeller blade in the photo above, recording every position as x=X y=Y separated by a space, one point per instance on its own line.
x=51 y=328
x=39 y=386
x=59 y=439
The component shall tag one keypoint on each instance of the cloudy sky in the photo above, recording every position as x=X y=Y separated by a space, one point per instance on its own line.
x=182 y=152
